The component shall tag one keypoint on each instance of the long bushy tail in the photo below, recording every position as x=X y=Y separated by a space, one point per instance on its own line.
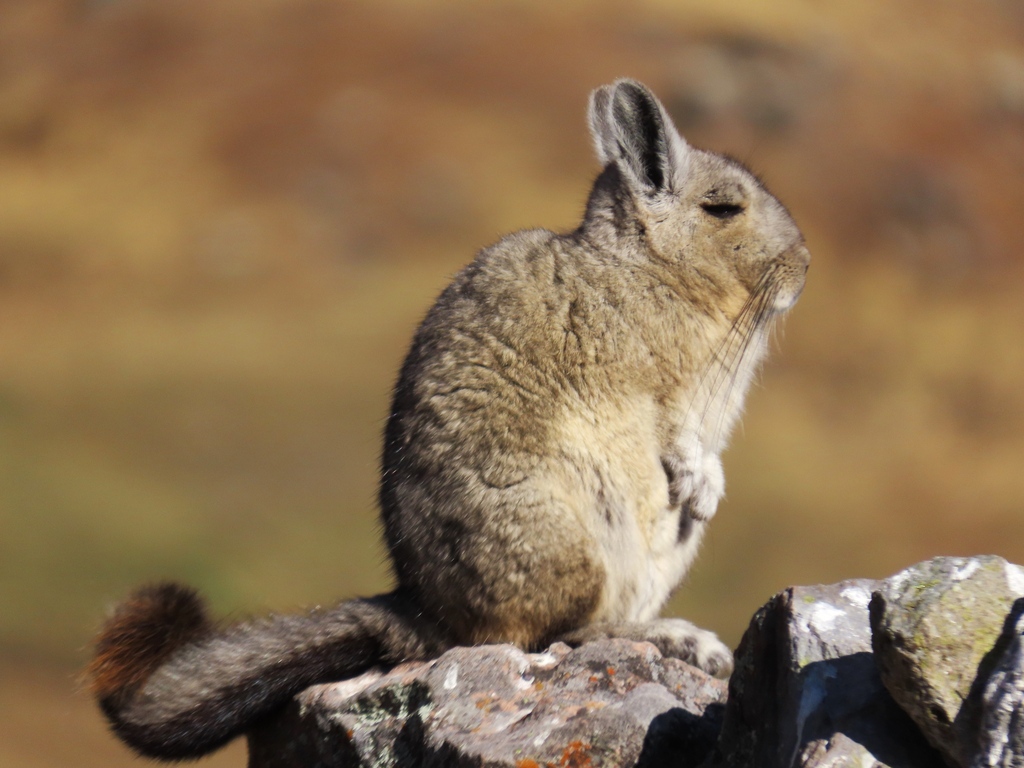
x=176 y=687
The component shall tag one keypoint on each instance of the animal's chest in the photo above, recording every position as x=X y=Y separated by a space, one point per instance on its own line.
x=645 y=542
x=706 y=412
x=644 y=567
x=647 y=545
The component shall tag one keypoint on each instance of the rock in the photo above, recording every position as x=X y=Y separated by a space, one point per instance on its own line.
x=932 y=625
x=806 y=692
x=1001 y=724
x=611 y=702
x=924 y=668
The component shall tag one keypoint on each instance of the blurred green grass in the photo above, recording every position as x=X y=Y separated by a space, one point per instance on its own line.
x=219 y=225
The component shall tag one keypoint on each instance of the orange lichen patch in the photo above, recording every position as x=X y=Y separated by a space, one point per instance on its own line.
x=610 y=671
x=576 y=755
x=488 y=702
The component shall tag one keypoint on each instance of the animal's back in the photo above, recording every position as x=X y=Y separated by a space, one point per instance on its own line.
x=490 y=485
x=524 y=444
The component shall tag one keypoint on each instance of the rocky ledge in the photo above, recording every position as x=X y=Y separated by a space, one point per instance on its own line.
x=925 y=668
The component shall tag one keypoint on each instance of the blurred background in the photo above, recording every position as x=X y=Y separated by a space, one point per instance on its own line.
x=221 y=222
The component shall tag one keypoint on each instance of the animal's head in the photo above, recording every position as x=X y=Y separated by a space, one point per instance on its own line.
x=700 y=210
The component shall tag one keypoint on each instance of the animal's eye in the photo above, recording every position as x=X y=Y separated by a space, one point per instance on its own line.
x=722 y=210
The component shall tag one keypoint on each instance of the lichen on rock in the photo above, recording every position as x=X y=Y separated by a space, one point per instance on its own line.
x=932 y=626
x=611 y=702
x=923 y=668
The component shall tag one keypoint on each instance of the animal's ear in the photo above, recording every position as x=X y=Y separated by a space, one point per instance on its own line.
x=599 y=118
x=630 y=127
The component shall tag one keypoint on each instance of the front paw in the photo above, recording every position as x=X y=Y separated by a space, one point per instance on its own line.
x=710 y=489
x=695 y=492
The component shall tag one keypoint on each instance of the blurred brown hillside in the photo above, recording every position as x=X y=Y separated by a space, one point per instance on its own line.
x=220 y=223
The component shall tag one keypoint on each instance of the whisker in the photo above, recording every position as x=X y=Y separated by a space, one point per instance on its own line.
x=717 y=362
x=734 y=370
x=725 y=353
x=726 y=361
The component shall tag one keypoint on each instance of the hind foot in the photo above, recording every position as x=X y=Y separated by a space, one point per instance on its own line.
x=677 y=638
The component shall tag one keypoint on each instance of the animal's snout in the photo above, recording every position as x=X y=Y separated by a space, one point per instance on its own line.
x=791 y=277
x=799 y=256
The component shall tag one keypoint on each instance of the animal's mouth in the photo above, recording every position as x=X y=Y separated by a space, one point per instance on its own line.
x=786 y=298
x=789 y=277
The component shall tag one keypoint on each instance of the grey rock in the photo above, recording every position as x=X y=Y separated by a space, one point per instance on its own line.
x=1001 y=731
x=851 y=674
x=806 y=692
x=612 y=702
x=839 y=751
x=932 y=626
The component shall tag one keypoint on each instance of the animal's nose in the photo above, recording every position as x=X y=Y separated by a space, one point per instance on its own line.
x=800 y=255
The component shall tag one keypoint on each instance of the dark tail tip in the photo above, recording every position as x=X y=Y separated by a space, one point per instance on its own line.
x=142 y=633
